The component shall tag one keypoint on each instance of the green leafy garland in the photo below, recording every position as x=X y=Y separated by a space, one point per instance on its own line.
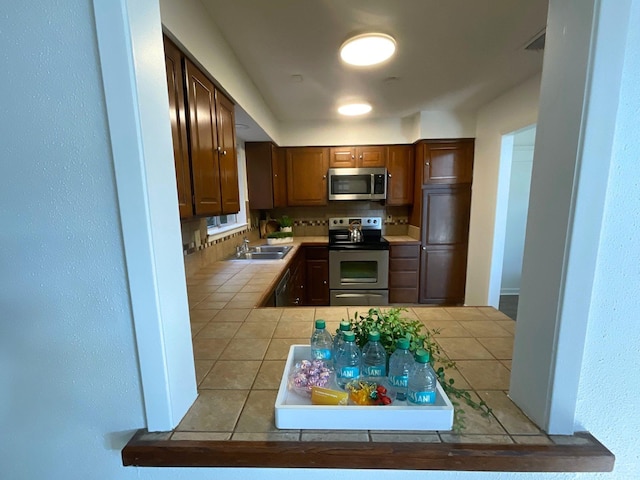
x=392 y=326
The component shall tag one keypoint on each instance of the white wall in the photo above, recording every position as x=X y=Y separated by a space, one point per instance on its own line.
x=511 y=111
x=71 y=391
x=516 y=221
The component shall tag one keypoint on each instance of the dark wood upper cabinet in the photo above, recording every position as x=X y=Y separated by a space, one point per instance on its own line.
x=266 y=175
x=350 y=157
x=307 y=176
x=227 y=155
x=205 y=166
x=203 y=130
x=400 y=171
x=175 y=84
x=445 y=215
x=446 y=162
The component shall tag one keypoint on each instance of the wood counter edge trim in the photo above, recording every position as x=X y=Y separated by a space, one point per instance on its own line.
x=593 y=457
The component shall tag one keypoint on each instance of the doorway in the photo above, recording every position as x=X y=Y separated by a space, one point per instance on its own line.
x=518 y=154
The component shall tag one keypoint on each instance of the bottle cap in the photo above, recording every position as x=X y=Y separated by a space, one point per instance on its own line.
x=402 y=343
x=320 y=324
x=422 y=356
x=349 y=336
x=374 y=336
x=345 y=326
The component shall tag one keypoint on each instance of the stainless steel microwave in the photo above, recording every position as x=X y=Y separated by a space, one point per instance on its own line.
x=357 y=183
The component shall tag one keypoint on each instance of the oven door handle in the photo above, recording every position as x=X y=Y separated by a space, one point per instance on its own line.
x=357 y=295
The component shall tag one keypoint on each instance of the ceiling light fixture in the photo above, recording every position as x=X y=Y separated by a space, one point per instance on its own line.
x=353 y=109
x=368 y=49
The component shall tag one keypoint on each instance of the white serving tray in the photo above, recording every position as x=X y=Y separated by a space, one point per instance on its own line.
x=293 y=411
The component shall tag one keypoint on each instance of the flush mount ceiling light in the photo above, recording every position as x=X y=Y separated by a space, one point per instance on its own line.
x=353 y=109
x=368 y=49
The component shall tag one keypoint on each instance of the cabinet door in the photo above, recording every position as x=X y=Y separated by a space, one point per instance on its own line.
x=279 y=169
x=317 y=275
x=205 y=169
x=228 y=159
x=445 y=215
x=443 y=274
x=375 y=156
x=400 y=173
x=259 y=171
x=175 y=84
x=307 y=176
x=342 y=157
x=449 y=162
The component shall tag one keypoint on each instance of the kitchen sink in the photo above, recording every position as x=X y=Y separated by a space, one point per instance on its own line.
x=265 y=252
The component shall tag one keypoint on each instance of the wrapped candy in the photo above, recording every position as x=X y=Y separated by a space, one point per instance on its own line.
x=307 y=374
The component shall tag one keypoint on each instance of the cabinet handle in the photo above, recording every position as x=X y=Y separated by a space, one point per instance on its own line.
x=360 y=157
x=275 y=174
x=353 y=157
x=424 y=248
x=426 y=163
x=324 y=282
x=324 y=177
x=389 y=175
x=224 y=152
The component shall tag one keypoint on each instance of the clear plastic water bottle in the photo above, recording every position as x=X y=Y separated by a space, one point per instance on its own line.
x=400 y=363
x=421 y=386
x=338 y=340
x=321 y=343
x=374 y=358
x=347 y=361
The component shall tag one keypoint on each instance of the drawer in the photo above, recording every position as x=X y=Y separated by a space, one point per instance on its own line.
x=403 y=280
x=404 y=251
x=403 y=264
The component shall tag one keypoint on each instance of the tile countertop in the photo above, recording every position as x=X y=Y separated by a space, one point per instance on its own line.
x=248 y=283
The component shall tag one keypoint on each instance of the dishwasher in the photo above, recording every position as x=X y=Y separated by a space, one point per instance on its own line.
x=282 y=290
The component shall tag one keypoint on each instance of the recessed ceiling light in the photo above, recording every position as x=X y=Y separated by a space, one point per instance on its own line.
x=353 y=109
x=368 y=49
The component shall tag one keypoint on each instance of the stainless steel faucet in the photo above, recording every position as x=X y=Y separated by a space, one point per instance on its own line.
x=245 y=245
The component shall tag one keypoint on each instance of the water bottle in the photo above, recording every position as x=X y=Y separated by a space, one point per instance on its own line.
x=400 y=362
x=421 y=386
x=374 y=358
x=347 y=361
x=321 y=343
x=338 y=340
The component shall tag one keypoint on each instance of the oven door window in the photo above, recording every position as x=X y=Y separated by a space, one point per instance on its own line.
x=358 y=272
x=350 y=184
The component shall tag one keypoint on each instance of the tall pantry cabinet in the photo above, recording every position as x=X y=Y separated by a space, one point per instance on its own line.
x=203 y=131
x=442 y=208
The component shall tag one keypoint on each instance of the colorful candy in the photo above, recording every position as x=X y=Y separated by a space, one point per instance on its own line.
x=308 y=374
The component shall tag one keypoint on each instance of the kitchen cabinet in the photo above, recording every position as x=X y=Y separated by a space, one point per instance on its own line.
x=400 y=172
x=175 y=84
x=404 y=261
x=266 y=175
x=317 y=275
x=365 y=156
x=307 y=176
x=444 y=236
x=298 y=278
x=446 y=161
x=211 y=170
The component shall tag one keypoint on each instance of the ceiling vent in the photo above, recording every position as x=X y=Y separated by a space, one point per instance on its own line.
x=537 y=43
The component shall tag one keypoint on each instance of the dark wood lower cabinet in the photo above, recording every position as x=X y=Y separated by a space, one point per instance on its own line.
x=317 y=274
x=404 y=261
x=443 y=275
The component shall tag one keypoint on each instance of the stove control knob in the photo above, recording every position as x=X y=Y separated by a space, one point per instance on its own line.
x=341 y=221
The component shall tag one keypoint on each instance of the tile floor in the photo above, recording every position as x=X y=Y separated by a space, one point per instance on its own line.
x=240 y=354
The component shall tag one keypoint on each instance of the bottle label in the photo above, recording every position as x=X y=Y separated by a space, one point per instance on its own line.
x=349 y=372
x=375 y=371
x=321 y=354
x=422 y=398
x=399 y=380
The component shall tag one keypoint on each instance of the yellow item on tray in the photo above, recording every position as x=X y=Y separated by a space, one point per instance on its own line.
x=326 y=396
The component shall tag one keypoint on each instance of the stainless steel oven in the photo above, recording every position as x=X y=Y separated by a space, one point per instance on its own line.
x=358 y=264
